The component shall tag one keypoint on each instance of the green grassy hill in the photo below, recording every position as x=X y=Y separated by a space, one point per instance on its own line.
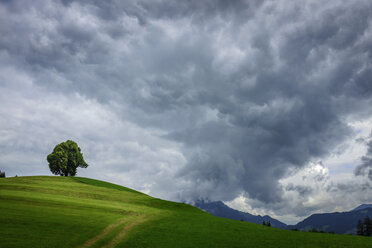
x=79 y=212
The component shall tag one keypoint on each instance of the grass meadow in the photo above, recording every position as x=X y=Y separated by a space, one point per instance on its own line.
x=51 y=211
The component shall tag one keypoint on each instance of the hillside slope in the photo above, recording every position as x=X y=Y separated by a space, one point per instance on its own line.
x=81 y=212
x=219 y=209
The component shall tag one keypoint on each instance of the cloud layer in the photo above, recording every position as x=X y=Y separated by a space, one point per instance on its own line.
x=187 y=100
x=365 y=168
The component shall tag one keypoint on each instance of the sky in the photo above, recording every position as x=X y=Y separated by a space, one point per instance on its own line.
x=265 y=105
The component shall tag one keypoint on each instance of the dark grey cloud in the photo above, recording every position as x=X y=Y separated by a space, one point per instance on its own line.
x=245 y=90
x=288 y=116
x=365 y=168
x=302 y=190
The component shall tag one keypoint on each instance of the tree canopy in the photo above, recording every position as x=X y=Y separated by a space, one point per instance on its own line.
x=364 y=228
x=66 y=158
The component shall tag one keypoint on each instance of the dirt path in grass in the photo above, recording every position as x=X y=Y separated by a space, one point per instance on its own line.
x=102 y=234
x=109 y=229
x=123 y=232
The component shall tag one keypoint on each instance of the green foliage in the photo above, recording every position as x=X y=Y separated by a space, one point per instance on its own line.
x=360 y=228
x=2 y=173
x=268 y=223
x=364 y=228
x=69 y=211
x=66 y=158
x=367 y=226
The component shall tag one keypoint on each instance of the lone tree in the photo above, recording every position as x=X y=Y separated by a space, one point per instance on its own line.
x=2 y=173
x=65 y=159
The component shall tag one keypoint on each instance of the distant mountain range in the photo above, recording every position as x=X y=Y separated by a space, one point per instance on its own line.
x=219 y=209
x=344 y=222
x=363 y=206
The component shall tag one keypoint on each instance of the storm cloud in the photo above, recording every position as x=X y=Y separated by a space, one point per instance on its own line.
x=187 y=100
x=365 y=168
